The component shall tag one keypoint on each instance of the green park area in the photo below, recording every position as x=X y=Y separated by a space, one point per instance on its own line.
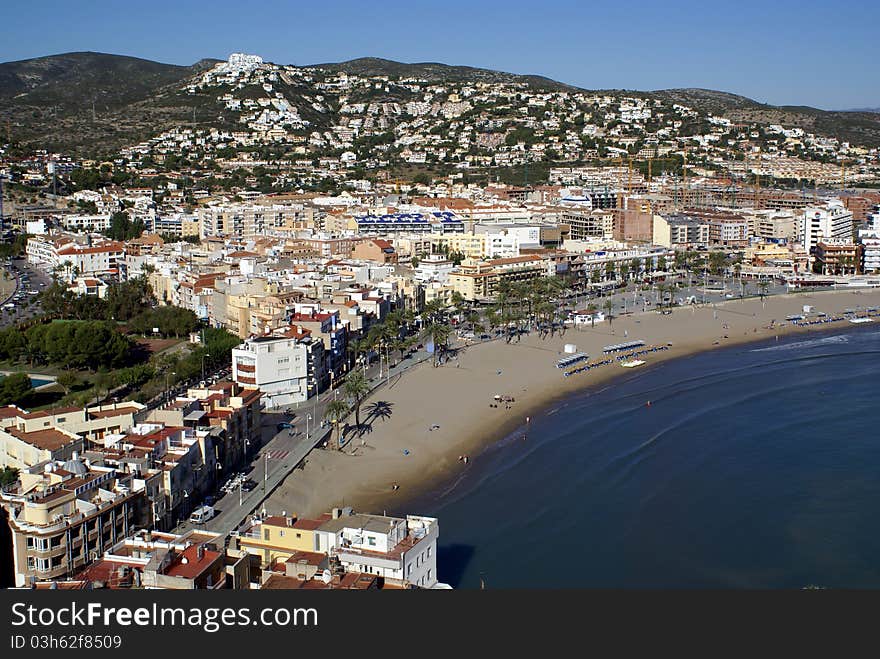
x=105 y=348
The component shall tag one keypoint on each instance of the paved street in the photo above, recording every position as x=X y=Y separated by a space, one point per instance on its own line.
x=27 y=281
x=284 y=451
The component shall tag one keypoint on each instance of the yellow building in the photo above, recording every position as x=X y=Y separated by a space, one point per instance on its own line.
x=479 y=280
x=473 y=246
x=761 y=253
x=276 y=538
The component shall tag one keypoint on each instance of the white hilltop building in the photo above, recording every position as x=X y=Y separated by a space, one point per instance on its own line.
x=241 y=62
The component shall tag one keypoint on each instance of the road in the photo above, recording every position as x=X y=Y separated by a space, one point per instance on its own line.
x=286 y=451
x=27 y=279
x=280 y=454
x=646 y=298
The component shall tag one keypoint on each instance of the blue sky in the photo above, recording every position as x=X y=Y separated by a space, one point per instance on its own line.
x=822 y=54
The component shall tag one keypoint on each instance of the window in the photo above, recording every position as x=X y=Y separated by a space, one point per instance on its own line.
x=266 y=533
x=299 y=535
x=280 y=534
x=429 y=552
x=372 y=541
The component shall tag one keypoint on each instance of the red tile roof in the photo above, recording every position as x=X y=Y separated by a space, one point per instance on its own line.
x=193 y=566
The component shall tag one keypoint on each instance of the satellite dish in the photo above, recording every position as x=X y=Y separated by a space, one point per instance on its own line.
x=326 y=576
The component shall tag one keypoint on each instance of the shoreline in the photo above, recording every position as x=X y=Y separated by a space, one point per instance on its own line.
x=457 y=397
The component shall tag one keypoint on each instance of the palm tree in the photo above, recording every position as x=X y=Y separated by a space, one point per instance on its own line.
x=335 y=412
x=356 y=388
x=608 y=305
x=438 y=333
x=356 y=347
x=762 y=287
x=592 y=309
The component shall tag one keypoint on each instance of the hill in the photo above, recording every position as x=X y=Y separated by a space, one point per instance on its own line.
x=91 y=104
x=91 y=101
x=435 y=71
x=856 y=126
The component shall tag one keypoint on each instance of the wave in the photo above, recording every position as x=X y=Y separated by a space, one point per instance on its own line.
x=809 y=343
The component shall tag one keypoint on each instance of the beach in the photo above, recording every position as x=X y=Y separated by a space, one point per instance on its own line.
x=435 y=416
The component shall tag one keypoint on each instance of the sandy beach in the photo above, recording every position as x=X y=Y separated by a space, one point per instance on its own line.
x=456 y=399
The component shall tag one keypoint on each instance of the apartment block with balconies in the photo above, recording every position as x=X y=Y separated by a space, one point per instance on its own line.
x=63 y=515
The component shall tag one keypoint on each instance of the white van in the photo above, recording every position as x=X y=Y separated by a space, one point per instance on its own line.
x=202 y=514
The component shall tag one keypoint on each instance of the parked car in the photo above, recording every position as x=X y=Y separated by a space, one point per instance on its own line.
x=202 y=514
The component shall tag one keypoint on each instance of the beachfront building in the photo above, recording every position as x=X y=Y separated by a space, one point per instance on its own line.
x=841 y=257
x=287 y=367
x=833 y=222
x=394 y=550
x=277 y=537
x=64 y=514
x=226 y=418
x=587 y=317
x=398 y=549
x=480 y=280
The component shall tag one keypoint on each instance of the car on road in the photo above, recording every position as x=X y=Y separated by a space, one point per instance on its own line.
x=248 y=484
x=284 y=425
x=202 y=514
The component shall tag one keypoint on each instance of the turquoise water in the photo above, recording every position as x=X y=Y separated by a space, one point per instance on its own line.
x=35 y=382
x=753 y=467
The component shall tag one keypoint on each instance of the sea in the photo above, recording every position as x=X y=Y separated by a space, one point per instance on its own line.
x=756 y=466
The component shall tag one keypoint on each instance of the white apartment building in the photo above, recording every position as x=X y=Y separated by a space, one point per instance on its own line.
x=832 y=222
x=95 y=223
x=390 y=547
x=286 y=369
x=104 y=258
x=870 y=239
x=250 y=220
x=434 y=267
x=42 y=250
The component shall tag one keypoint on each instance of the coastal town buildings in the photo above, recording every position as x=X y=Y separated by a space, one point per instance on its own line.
x=396 y=550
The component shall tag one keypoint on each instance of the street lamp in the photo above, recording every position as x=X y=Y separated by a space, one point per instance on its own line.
x=308 y=418
x=167 y=392
x=203 y=364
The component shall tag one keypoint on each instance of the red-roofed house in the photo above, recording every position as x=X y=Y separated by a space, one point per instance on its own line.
x=376 y=249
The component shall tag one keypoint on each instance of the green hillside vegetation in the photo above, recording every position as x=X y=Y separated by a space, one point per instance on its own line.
x=91 y=104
